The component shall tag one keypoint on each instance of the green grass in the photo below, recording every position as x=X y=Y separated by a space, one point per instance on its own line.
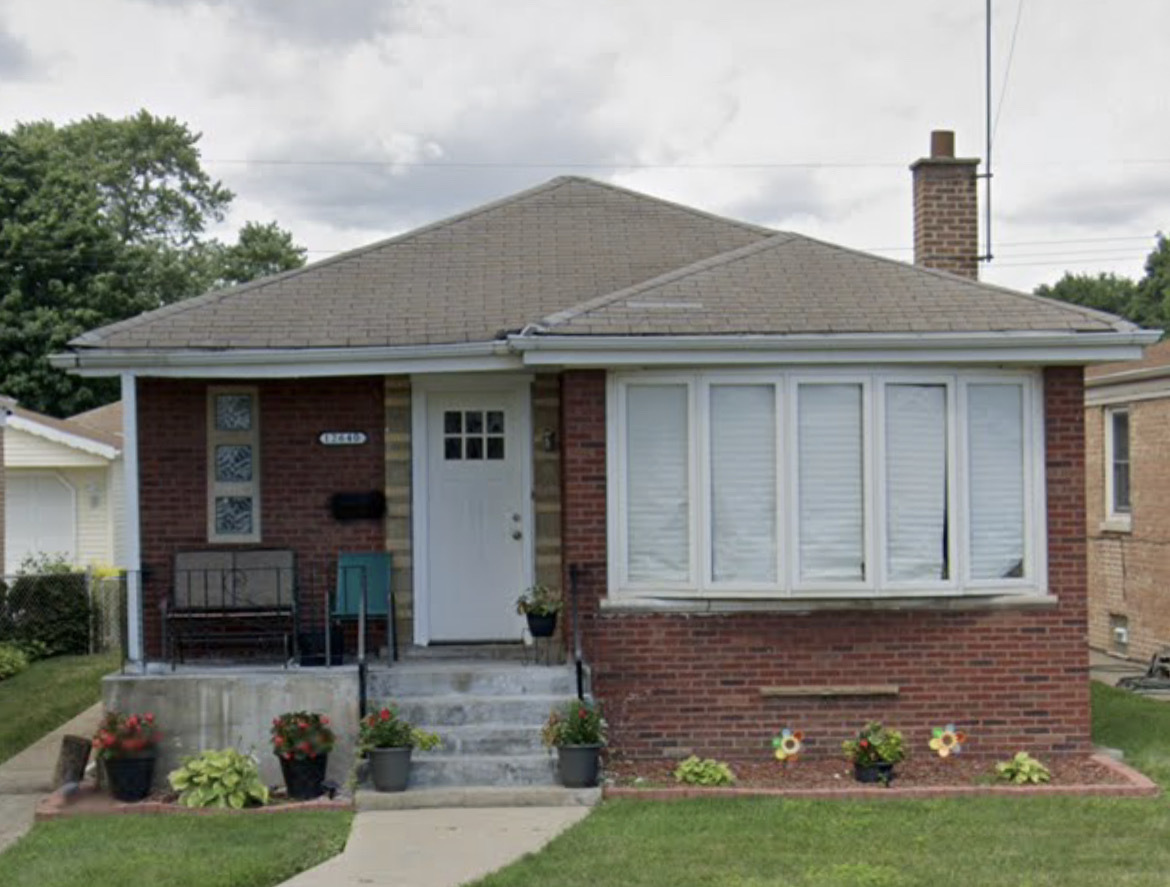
x=1022 y=842
x=174 y=851
x=47 y=695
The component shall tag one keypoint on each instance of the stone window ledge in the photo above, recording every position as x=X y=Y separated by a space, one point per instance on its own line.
x=720 y=606
x=1116 y=524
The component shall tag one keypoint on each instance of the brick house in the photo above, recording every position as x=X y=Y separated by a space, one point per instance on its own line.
x=797 y=484
x=1127 y=448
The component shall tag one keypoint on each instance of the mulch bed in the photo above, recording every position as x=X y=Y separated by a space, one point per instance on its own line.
x=89 y=800
x=922 y=776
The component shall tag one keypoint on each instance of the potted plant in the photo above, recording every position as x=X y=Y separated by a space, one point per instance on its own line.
x=874 y=753
x=302 y=741
x=540 y=605
x=127 y=746
x=577 y=731
x=387 y=741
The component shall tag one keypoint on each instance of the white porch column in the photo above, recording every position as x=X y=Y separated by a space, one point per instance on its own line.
x=133 y=526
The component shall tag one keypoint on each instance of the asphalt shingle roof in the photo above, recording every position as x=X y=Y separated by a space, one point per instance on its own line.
x=581 y=257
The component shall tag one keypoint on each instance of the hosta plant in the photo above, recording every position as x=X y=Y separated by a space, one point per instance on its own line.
x=219 y=778
x=708 y=771
x=1023 y=769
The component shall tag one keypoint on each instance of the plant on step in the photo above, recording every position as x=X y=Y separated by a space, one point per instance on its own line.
x=1023 y=769
x=579 y=722
x=539 y=600
x=875 y=745
x=301 y=735
x=219 y=778
x=123 y=735
x=706 y=771
x=385 y=729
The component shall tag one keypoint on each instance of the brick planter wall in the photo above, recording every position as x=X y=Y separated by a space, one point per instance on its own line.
x=675 y=684
x=298 y=477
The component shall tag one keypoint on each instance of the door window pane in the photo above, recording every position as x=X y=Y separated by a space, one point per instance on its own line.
x=916 y=483
x=996 y=483
x=830 y=476
x=743 y=483
x=658 y=522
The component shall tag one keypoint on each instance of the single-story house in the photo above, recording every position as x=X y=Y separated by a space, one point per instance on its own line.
x=63 y=487
x=1127 y=450
x=789 y=483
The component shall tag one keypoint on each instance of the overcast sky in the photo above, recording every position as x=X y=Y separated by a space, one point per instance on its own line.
x=347 y=120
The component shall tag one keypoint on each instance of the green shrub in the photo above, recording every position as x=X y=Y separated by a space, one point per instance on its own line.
x=694 y=771
x=219 y=778
x=875 y=744
x=46 y=608
x=12 y=660
x=1023 y=769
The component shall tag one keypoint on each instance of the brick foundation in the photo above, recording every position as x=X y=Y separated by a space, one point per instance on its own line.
x=676 y=684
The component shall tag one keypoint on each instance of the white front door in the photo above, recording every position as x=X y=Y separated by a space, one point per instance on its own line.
x=477 y=514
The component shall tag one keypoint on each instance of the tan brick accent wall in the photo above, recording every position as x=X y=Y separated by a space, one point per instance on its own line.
x=1129 y=572
x=546 y=477
x=398 y=504
x=946 y=216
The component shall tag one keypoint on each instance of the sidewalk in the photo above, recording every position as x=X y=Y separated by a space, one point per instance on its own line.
x=26 y=777
x=437 y=848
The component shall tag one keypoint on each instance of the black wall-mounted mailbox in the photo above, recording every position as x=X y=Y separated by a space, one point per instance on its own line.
x=358 y=506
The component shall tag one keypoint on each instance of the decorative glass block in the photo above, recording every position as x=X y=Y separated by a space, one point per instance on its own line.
x=495 y=448
x=475 y=448
x=233 y=515
x=495 y=422
x=474 y=422
x=233 y=412
x=452 y=422
x=452 y=448
x=233 y=463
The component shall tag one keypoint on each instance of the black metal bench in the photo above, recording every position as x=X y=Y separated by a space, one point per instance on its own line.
x=245 y=600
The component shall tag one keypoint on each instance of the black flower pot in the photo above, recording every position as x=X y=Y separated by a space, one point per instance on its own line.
x=131 y=777
x=542 y=625
x=880 y=773
x=389 y=768
x=304 y=777
x=578 y=765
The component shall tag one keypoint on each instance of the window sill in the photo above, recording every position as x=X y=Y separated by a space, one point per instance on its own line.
x=1116 y=524
x=714 y=607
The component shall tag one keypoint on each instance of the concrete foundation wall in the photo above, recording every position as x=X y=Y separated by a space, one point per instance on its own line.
x=211 y=709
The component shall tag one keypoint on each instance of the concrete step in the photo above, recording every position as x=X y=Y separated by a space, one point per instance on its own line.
x=478 y=679
x=438 y=712
x=516 y=652
x=478 y=796
x=490 y=739
x=429 y=770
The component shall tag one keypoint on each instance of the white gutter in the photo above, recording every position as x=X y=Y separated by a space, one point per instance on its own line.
x=64 y=438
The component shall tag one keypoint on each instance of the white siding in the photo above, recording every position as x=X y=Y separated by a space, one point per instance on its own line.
x=24 y=450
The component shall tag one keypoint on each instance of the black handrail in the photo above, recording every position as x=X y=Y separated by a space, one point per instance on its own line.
x=578 y=663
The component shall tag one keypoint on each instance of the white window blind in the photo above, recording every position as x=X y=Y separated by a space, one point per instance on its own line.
x=995 y=417
x=657 y=483
x=832 y=500
x=743 y=483
x=916 y=483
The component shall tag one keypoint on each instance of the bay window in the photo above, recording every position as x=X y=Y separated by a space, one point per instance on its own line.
x=776 y=484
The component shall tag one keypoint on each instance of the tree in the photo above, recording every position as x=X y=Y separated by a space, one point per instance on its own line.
x=101 y=220
x=1146 y=302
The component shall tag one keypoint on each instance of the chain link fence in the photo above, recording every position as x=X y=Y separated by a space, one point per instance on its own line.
x=55 y=614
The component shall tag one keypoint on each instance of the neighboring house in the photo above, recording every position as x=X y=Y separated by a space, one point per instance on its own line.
x=799 y=485
x=6 y=405
x=1127 y=451
x=63 y=487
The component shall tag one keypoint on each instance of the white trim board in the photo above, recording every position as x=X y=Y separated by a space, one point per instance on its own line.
x=73 y=441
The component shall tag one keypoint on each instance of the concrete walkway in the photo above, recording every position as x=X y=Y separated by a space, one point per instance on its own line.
x=25 y=778
x=437 y=848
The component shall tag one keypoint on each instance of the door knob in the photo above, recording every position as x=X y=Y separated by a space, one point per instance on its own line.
x=516 y=534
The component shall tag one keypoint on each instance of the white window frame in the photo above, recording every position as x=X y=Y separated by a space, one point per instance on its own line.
x=1120 y=520
x=215 y=488
x=788 y=585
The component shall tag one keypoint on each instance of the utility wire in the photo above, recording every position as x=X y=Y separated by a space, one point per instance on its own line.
x=1007 y=68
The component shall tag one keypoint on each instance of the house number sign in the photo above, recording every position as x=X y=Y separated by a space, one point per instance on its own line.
x=343 y=438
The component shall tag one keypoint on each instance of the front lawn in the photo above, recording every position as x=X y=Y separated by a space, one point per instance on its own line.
x=974 y=841
x=46 y=695
x=174 y=851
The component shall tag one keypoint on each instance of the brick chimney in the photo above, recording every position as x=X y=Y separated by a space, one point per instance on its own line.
x=946 y=210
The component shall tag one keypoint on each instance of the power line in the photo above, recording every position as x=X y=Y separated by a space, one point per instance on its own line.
x=1008 y=68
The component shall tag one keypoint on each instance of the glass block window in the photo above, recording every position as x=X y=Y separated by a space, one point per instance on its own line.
x=473 y=435
x=233 y=471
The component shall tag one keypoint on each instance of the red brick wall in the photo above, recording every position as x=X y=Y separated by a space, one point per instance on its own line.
x=676 y=684
x=946 y=216
x=298 y=475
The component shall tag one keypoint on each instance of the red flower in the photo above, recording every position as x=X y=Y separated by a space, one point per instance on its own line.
x=279 y=740
x=864 y=743
x=385 y=714
x=324 y=719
